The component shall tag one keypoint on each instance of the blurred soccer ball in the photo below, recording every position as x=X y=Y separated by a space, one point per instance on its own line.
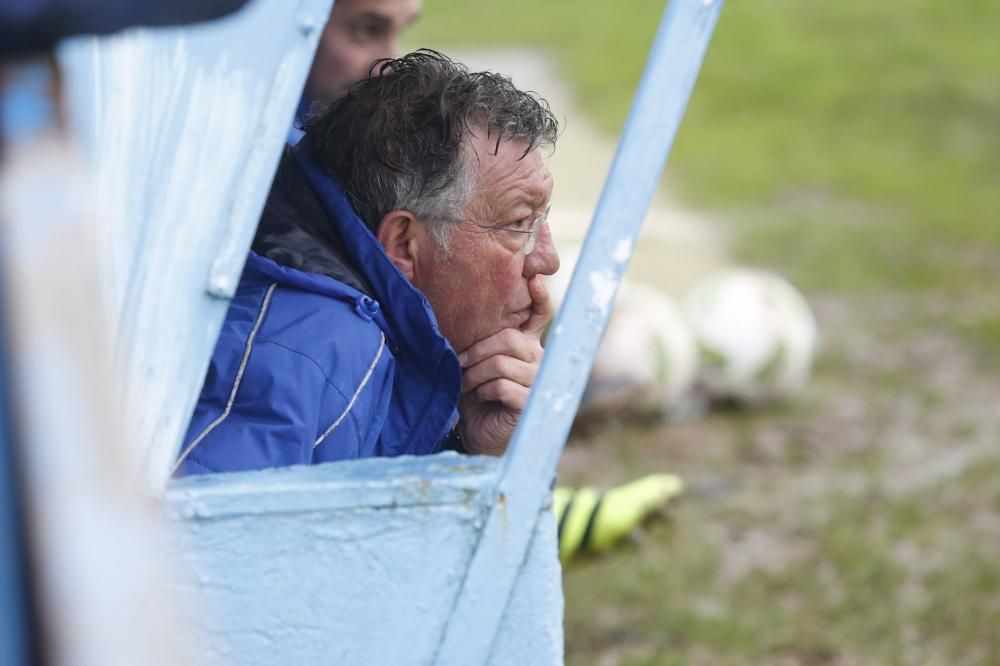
x=647 y=361
x=755 y=333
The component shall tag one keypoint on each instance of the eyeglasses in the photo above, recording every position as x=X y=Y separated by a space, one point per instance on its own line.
x=531 y=231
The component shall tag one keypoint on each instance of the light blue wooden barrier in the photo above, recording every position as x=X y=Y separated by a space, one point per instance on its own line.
x=447 y=559
x=184 y=128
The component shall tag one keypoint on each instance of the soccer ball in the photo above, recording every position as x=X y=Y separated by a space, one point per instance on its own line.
x=755 y=333
x=647 y=361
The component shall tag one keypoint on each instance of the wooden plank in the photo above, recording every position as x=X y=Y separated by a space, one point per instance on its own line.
x=321 y=564
x=183 y=128
x=530 y=464
x=342 y=563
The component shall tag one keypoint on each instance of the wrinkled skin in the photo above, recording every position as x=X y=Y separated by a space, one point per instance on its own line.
x=488 y=295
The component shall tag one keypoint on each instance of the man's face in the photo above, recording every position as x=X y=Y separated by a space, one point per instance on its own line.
x=358 y=33
x=482 y=287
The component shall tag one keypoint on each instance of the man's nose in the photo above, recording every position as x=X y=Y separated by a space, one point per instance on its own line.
x=544 y=258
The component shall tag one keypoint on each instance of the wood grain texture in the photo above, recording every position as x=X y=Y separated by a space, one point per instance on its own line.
x=183 y=128
x=350 y=563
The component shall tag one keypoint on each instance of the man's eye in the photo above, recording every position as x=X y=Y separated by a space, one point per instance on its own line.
x=368 y=31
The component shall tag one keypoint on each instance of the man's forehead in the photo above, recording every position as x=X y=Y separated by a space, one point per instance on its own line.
x=509 y=172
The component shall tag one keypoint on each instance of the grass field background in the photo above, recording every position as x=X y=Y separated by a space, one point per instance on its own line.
x=854 y=147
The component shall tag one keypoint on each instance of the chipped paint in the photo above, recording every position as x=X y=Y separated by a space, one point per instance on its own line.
x=603 y=285
x=319 y=558
x=183 y=129
x=623 y=251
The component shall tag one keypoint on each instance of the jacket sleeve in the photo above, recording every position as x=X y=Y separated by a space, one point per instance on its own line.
x=265 y=415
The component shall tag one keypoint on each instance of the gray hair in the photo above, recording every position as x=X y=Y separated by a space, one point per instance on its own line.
x=398 y=140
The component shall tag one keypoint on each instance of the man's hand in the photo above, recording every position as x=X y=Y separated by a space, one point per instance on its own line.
x=497 y=375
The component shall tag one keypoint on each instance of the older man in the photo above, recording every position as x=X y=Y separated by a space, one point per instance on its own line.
x=392 y=303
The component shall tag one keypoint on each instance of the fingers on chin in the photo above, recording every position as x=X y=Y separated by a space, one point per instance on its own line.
x=508 y=342
x=501 y=367
x=508 y=392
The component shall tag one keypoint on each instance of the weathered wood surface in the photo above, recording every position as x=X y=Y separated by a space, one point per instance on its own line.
x=353 y=563
x=183 y=128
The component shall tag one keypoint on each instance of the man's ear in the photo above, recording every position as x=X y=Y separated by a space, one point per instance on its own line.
x=399 y=233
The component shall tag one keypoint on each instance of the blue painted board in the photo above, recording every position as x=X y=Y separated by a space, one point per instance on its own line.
x=183 y=128
x=355 y=563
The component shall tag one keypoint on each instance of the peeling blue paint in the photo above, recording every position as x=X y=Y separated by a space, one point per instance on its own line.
x=350 y=563
x=183 y=128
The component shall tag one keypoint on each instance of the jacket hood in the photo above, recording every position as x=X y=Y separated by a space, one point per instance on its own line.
x=294 y=230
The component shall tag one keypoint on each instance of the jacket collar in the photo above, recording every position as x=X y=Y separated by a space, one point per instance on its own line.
x=413 y=325
x=295 y=231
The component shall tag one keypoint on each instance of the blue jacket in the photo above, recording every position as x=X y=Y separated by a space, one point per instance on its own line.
x=327 y=351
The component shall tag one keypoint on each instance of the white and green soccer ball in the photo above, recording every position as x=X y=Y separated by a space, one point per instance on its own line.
x=756 y=336
x=647 y=361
